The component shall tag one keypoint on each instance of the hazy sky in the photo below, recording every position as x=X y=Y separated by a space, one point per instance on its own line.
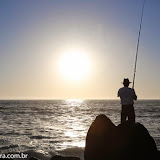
x=34 y=34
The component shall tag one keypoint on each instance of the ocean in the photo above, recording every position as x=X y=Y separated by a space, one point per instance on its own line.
x=44 y=128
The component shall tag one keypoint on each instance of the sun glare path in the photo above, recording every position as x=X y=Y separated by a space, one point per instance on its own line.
x=74 y=65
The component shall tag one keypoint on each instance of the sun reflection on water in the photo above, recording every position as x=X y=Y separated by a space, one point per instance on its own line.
x=74 y=128
x=73 y=102
x=80 y=144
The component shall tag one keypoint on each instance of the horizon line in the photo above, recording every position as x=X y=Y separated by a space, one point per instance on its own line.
x=30 y=99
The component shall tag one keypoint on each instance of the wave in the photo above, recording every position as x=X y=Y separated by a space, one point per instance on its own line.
x=41 y=155
x=9 y=147
x=69 y=152
x=73 y=152
x=40 y=137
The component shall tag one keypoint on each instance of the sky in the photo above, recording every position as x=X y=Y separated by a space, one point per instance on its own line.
x=34 y=35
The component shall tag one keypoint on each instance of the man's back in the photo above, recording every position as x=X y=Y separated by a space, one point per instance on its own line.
x=127 y=95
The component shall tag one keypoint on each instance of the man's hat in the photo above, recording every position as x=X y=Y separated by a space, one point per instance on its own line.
x=126 y=80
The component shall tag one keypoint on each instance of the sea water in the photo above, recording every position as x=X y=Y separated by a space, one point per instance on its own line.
x=44 y=128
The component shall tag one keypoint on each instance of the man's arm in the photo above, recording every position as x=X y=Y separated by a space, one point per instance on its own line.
x=118 y=94
x=134 y=95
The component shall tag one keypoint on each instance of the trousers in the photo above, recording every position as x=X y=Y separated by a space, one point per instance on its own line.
x=128 y=112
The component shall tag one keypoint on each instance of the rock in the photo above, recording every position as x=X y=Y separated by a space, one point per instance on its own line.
x=99 y=139
x=64 y=158
x=127 y=141
x=33 y=158
x=134 y=142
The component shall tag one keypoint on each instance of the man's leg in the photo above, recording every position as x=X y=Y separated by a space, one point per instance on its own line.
x=131 y=116
x=123 y=114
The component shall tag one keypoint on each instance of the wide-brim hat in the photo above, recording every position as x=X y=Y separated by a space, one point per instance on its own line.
x=126 y=80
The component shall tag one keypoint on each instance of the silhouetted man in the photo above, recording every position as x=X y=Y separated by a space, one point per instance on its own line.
x=127 y=96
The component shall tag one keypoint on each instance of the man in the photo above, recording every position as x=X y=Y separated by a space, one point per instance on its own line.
x=127 y=96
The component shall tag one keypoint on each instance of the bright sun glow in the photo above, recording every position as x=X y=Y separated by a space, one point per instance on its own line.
x=74 y=65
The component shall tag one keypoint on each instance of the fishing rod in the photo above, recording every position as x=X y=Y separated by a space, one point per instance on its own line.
x=134 y=75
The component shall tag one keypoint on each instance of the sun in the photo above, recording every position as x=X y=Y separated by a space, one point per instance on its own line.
x=74 y=65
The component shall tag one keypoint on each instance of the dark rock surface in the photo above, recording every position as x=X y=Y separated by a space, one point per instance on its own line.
x=99 y=139
x=33 y=158
x=127 y=141
x=64 y=158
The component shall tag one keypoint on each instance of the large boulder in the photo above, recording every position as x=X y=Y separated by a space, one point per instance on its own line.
x=134 y=142
x=127 y=141
x=99 y=139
